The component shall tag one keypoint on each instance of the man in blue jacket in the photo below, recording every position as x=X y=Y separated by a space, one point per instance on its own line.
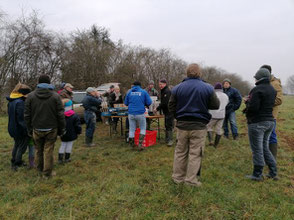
x=235 y=100
x=137 y=99
x=189 y=102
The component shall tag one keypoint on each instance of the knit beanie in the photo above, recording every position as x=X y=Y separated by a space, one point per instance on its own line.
x=218 y=85
x=137 y=83
x=267 y=67
x=44 y=79
x=227 y=80
x=68 y=105
x=262 y=73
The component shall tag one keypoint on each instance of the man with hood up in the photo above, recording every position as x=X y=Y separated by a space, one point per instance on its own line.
x=44 y=116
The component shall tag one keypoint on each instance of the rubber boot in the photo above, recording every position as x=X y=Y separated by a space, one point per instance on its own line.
x=141 y=140
x=169 y=138
x=67 y=158
x=209 y=135
x=31 y=162
x=274 y=149
x=257 y=174
x=217 y=140
x=132 y=142
x=60 y=158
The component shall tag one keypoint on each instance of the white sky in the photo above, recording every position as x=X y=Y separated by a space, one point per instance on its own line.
x=236 y=35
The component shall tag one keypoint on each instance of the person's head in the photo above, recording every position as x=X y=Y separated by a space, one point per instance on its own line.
x=67 y=104
x=151 y=84
x=194 y=71
x=262 y=74
x=136 y=83
x=44 y=79
x=218 y=85
x=68 y=87
x=92 y=91
x=22 y=89
x=62 y=85
x=227 y=83
x=111 y=88
x=116 y=89
x=268 y=67
x=162 y=83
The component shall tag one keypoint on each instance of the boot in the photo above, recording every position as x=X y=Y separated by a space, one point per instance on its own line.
x=273 y=172
x=274 y=149
x=132 y=142
x=235 y=137
x=89 y=142
x=60 y=158
x=31 y=162
x=67 y=158
x=217 y=140
x=141 y=140
x=114 y=127
x=257 y=174
x=127 y=136
x=169 y=138
x=209 y=135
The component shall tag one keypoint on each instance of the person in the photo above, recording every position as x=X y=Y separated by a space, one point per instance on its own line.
x=45 y=121
x=189 y=102
x=260 y=120
x=91 y=104
x=151 y=90
x=107 y=95
x=17 y=128
x=168 y=117
x=235 y=100
x=61 y=87
x=217 y=116
x=136 y=100
x=115 y=98
x=276 y=83
x=73 y=129
x=67 y=93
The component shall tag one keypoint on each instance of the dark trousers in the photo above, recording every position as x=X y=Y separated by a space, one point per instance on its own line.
x=20 y=147
x=168 y=121
x=90 y=119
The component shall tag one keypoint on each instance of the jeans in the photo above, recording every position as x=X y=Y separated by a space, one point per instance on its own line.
x=90 y=120
x=230 y=118
x=259 y=134
x=133 y=120
x=273 y=138
x=20 y=147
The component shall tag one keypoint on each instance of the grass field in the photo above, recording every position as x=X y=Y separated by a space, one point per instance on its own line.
x=111 y=181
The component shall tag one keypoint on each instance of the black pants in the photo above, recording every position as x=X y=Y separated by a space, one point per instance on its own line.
x=20 y=147
x=168 y=121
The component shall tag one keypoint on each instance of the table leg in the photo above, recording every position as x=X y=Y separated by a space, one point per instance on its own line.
x=110 y=127
x=121 y=126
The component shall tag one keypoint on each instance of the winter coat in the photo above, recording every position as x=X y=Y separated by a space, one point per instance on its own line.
x=165 y=94
x=91 y=103
x=16 y=124
x=191 y=99
x=235 y=99
x=136 y=100
x=224 y=100
x=44 y=109
x=66 y=94
x=276 y=83
x=113 y=100
x=260 y=103
x=73 y=126
x=152 y=92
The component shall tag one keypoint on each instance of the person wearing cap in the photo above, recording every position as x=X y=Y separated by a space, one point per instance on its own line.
x=91 y=104
x=66 y=93
x=260 y=120
x=44 y=117
x=235 y=100
x=189 y=102
x=61 y=87
x=217 y=116
x=276 y=83
x=168 y=117
x=151 y=90
x=16 y=125
x=136 y=100
x=73 y=129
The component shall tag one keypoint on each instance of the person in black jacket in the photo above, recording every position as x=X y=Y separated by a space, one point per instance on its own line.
x=165 y=94
x=259 y=108
x=73 y=129
x=115 y=98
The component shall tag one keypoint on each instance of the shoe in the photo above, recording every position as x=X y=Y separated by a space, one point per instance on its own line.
x=197 y=184
x=132 y=142
x=257 y=173
x=276 y=178
x=60 y=158
x=14 y=168
x=67 y=158
x=235 y=137
x=217 y=140
x=226 y=136
x=255 y=178
x=89 y=142
x=169 y=138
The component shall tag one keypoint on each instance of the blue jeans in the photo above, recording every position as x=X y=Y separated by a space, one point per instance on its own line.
x=230 y=118
x=133 y=120
x=90 y=119
x=259 y=134
x=273 y=138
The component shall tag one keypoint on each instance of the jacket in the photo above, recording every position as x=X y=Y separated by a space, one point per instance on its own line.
x=152 y=92
x=66 y=94
x=136 y=100
x=220 y=113
x=73 y=126
x=91 y=103
x=276 y=83
x=113 y=100
x=44 y=109
x=260 y=103
x=16 y=124
x=191 y=99
x=165 y=94
x=235 y=99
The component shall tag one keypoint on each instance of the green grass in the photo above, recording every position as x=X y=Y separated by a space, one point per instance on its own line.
x=111 y=181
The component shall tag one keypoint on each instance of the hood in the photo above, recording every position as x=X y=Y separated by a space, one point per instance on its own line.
x=135 y=88
x=44 y=90
x=263 y=80
x=45 y=86
x=14 y=95
x=69 y=113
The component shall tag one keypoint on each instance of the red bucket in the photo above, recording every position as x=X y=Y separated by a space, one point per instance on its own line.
x=149 y=140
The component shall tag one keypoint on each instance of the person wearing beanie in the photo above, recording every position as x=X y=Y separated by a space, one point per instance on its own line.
x=136 y=100
x=151 y=90
x=235 y=100
x=67 y=93
x=165 y=94
x=115 y=98
x=92 y=104
x=276 y=83
x=190 y=102
x=260 y=120
x=217 y=116
x=73 y=129
x=16 y=125
x=44 y=117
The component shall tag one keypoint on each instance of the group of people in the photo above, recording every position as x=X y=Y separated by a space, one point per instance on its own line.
x=37 y=118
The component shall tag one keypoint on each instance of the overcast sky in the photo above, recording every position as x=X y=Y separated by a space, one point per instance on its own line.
x=236 y=35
